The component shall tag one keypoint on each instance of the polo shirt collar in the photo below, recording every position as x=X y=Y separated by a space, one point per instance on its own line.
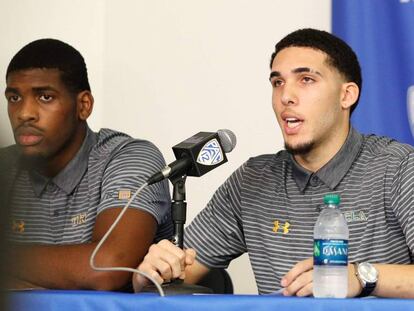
x=73 y=172
x=39 y=182
x=332 y=172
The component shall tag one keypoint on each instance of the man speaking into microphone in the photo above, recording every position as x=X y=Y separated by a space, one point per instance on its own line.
x=268 y=207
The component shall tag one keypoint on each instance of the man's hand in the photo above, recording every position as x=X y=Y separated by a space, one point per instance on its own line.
x=299 y=280
x=163 y=262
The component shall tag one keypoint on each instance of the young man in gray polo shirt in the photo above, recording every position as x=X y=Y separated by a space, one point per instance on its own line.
x=269 y=206
x=66 y=184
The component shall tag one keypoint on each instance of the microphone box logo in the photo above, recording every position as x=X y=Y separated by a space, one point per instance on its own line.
x=204 y=150
x=211 y=153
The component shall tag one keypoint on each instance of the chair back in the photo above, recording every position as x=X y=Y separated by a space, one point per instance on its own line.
x=218 y=280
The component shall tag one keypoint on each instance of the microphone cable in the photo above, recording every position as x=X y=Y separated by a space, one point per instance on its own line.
x=95 y=251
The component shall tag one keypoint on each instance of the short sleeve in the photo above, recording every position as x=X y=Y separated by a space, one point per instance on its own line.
x=216 y=233
x=402 y=198
x=128 y=169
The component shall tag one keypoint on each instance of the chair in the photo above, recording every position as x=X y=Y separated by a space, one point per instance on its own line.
x=218 y=280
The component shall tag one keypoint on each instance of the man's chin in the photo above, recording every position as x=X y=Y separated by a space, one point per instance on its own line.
x=299 y=149
x=31 y=158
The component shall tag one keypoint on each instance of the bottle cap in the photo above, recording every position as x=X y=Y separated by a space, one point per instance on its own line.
x=331 y=199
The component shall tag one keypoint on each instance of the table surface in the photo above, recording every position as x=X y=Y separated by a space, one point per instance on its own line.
x=98 y=300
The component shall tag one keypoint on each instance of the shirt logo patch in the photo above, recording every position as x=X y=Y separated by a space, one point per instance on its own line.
x=124 y=194
x=284 y=229
x=354 y=216
x=18 y=226
x=78 y=219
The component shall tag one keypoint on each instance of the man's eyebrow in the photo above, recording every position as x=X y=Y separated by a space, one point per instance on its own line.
x=296 y=70
x=10 y=90
x=274 y=74
x=43 y=88
x=36 y=89
x=306 y=69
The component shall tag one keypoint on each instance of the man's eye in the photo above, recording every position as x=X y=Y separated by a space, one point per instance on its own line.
x=46 y=98
x=13 y=98
x=307 y=79
x=277 y=83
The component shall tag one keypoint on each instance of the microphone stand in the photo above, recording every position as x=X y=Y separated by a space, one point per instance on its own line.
x=178 y=212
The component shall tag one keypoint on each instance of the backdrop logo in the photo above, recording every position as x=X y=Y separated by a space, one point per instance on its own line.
x=410 y=107
x=211 y=153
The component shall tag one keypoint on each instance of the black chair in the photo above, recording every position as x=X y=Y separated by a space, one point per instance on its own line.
x=218 y=280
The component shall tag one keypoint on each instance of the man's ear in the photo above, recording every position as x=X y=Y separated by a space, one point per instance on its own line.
x=349 y=96
x=84 y=102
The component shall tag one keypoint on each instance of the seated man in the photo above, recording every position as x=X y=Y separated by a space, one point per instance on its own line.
x=268 y=207
x=67 y=184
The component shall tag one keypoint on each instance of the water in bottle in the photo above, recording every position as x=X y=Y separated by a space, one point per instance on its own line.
x=330 y=252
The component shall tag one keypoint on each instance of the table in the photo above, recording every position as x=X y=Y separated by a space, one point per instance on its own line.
x=62 y=300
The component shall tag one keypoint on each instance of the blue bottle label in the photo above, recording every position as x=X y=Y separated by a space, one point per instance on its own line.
x=330 y=252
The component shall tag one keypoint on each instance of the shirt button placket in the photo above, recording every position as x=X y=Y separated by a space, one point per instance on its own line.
x=314 y=181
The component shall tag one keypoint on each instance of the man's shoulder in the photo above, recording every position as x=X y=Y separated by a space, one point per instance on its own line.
x=268 y=160
x=382 y=146
x=108 y=139
x=111 y=143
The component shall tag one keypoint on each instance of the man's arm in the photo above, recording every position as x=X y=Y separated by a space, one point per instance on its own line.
x=67 y=266
x=165 y=262
x=394 y=280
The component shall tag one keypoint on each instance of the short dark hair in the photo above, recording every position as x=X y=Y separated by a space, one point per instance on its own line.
x=53 y=54
x=340 y=54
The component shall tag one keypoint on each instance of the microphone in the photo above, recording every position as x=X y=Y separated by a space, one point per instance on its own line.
x=198 y=155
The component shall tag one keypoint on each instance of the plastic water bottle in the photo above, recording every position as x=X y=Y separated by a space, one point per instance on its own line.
x=330 y=251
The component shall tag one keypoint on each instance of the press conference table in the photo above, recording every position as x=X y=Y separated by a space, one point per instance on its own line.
x=44 y=300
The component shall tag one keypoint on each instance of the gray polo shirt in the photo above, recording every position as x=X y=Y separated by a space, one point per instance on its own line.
x=106 y=171
x=268 y=208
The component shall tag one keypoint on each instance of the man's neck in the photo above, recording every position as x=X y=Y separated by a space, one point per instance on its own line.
x=322 y=153
x=58 y=162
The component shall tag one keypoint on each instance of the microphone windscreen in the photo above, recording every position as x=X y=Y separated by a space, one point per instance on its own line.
x=228 y=139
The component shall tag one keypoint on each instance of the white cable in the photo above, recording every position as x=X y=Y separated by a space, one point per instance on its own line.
x=95 y=251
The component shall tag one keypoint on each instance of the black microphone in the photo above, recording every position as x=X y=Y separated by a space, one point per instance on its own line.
x=198 y=155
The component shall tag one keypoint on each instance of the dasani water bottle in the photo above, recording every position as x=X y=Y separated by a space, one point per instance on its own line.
x=330 y=251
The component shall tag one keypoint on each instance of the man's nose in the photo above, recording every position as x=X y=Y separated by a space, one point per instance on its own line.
x=28 y=110
x=288 y=96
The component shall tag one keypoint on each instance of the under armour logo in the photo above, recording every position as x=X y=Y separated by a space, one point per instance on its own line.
x=277 y=226
x=18 y=226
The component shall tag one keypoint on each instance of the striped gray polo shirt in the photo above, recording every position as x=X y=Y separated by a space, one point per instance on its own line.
x=268 y=208
x=104 y=174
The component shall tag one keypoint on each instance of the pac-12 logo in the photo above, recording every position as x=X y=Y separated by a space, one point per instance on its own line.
x=410 y=107
x=211 y=153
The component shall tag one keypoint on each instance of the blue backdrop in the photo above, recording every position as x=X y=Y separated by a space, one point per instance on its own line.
x=381 y=32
